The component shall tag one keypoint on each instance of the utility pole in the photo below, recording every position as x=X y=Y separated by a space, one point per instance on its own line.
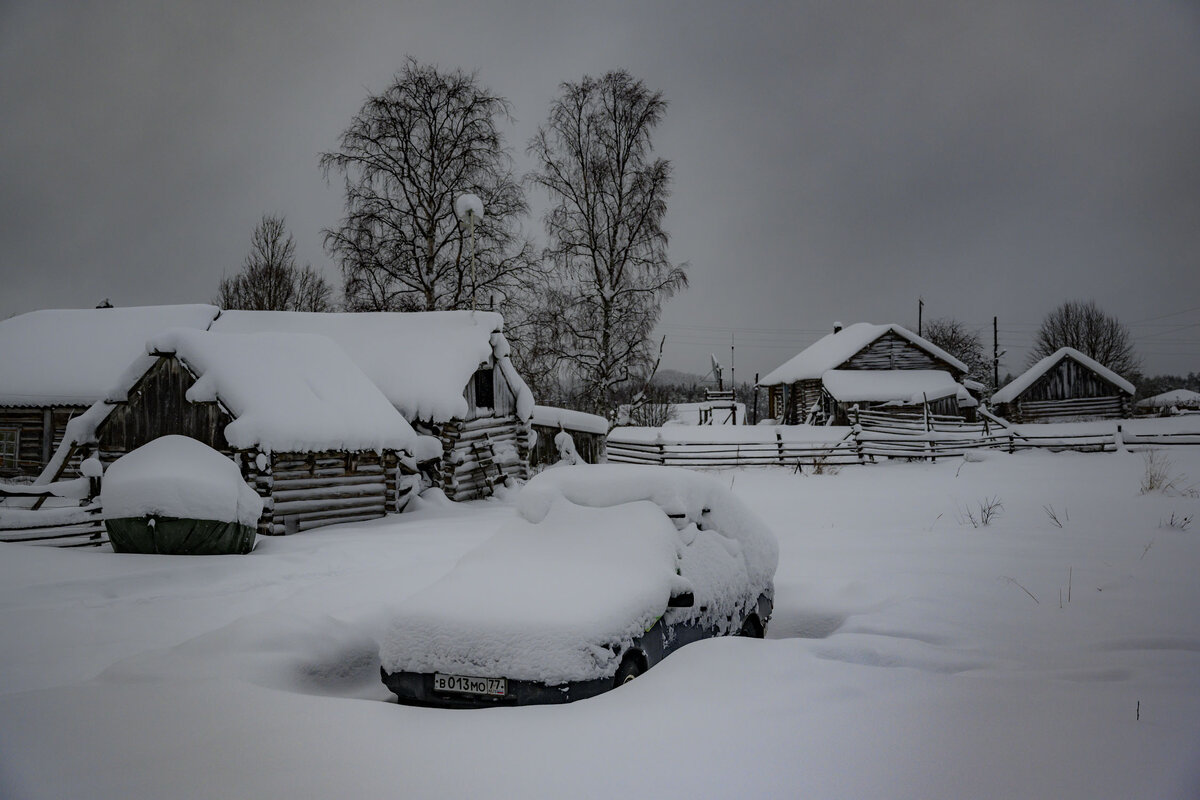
x=732 y=367
x=995 y=353
x=920 y=313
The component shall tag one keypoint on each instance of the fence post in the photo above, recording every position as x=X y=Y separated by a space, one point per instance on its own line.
x=779 y=446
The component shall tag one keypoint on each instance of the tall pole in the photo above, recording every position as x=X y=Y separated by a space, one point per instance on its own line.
x=920 y=313
x=995 y=353
x=732 y=367
x=471 y=232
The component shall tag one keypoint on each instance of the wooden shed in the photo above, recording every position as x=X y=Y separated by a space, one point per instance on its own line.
x=309 y=431
x=885 y=368
x=447 y=372
x=55 y=363
x=1066 y=386
x=588 y=431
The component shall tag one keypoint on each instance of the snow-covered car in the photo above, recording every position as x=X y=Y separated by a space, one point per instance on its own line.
x=606 y=570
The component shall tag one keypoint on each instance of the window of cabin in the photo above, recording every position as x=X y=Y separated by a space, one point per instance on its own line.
x=10 y=439
x=485 y=391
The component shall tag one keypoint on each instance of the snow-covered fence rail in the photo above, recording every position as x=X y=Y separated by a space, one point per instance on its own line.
x=72 y=526
x=918 y=423
x=752 y=446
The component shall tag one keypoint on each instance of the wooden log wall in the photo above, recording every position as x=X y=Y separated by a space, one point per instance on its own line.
x=1069 y=379
x=1066 y=410
x=462 y=475
x=303 y=491
x=157 y=407
x=40 y=431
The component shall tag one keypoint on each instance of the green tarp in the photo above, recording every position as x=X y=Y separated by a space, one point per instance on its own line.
x=179 y=537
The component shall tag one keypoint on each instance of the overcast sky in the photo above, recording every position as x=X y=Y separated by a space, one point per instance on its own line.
x=833 y=160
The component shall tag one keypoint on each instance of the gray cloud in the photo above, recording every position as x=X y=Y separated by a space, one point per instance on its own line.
x=832 y=160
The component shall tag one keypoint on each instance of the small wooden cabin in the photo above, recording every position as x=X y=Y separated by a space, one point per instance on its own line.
x=589 y=432
x=884 y=368
x=447 y=372
x=54 y=364
x=309 y=431
x=1066 y=386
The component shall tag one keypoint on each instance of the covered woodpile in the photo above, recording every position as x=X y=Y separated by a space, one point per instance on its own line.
x=1066 y=386
x=884 y=368
x=313 y=436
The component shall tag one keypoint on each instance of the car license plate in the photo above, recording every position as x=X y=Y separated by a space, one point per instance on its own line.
x=463 y=684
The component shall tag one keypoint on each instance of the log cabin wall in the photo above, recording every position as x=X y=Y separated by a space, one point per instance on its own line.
x=303 y=491
x=37 y=432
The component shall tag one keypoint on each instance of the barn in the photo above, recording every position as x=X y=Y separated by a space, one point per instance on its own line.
x=1065 y=386
x=886 y=368
x=56 y=363
x=447 y=372
x=309 y=431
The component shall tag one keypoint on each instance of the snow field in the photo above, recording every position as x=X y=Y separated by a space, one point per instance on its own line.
x=905 y=659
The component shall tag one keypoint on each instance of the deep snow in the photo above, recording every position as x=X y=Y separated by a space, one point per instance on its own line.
x=907 y=657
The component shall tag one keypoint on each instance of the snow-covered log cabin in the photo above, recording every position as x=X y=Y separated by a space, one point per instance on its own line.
x=56 y=363
x=309 y=431
x=1064 y=386
x=447 y=372
x=885 y=368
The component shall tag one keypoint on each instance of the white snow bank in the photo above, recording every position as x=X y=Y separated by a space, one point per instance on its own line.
x=175 y=476
x=1180 y=398
x=553 y=417
x=71 y=356
x=833 y=350
x=1030 y=376
x=909 y=386
x=288 y=392
x=421 y=361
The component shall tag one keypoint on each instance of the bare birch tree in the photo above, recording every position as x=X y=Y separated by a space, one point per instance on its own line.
x=963 y=343
x=270 y=279
x=607 y=245
x=1088 y=329
x=407 y=155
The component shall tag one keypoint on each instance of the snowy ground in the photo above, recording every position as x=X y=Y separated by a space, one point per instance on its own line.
x=912 y=655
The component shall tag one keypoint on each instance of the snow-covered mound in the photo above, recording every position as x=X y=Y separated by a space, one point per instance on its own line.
x=589 y=565
x=175 y=476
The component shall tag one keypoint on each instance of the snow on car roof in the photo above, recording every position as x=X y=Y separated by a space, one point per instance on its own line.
x=587 y=567
x=177 y=476
x=1030 y=376
x=421 y=361
x=71 y=356
x=834 y=349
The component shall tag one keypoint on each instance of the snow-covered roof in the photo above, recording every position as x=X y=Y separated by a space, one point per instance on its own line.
x=421 y=361
x=177 y=476
x=833 y=350
x=906 y=385
x=287 y=392
x=1030 y=376
x=1181 y=398
x=553 y=417
x=71 y=356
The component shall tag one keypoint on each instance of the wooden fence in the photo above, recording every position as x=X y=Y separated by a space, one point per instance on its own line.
x=862 y=446
x=79 y=526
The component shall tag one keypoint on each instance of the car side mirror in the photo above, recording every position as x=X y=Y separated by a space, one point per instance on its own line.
x=682 y=600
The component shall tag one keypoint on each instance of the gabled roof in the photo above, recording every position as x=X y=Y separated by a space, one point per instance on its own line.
x=71 y=356
x=286 y=392
x=421 y=361
x=1030 y=376
x=833 y=350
